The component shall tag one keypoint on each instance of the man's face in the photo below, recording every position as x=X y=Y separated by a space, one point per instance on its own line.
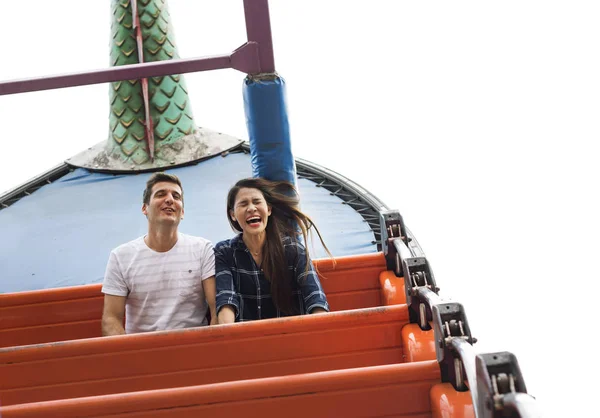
x=166 y=204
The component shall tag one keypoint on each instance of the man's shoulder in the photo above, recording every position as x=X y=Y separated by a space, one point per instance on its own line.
x=130 y=247
x=192 y=240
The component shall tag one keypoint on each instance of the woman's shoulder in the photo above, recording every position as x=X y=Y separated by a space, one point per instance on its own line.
x=228 y=244
x=293 y=245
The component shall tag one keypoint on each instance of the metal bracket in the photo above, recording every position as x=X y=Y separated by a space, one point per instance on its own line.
x=246 y=58
x=416 y=272
x=418 y=276
x=419 y=284
x=392 y=226
x=453 y=343
x=501 y=387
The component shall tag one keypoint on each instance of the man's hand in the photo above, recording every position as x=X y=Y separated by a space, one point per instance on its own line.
x=113 y=315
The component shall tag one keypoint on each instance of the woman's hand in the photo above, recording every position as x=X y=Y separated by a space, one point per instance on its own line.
x=226 y=315
x=318 y=310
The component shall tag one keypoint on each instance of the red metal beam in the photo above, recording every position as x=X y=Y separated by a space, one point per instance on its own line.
x=258 y=29
x=254 y=57
x=244 y=59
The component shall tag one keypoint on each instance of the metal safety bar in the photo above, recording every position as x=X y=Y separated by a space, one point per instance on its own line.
x=459 y=365
x=464 y=365
x=453 y=346
x=419 y=283
x=253 y=57
x=418 y=276
x=501 y=387
x=426 y=299
x=392 y=226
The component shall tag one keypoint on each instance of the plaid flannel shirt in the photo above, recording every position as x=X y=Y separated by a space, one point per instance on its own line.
x=242 y=284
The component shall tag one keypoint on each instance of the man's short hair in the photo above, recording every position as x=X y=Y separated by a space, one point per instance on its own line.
x=157 y=178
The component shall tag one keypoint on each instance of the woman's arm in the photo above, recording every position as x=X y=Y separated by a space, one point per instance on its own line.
x=315 y=300
x=227 y=300
x=226 y=315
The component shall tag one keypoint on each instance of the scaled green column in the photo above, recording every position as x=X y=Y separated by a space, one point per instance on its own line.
x=170 y=108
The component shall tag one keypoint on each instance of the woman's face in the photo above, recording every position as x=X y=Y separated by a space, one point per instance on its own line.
x=251 y=211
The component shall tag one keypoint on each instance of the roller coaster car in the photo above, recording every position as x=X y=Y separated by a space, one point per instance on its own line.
x=390 y=347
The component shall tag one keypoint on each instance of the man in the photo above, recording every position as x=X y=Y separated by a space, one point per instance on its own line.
x=165 y=279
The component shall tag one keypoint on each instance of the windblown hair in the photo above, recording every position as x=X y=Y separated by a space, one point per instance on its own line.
x=286 y=220
x=157 y=178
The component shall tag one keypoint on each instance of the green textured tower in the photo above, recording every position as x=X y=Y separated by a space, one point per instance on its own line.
x=150 y=123
x=132 y=137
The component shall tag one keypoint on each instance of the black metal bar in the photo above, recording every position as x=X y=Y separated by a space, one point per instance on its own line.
x=13 y=195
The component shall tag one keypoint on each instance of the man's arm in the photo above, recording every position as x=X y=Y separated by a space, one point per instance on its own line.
x=210 y=294
x=115 y=292
x=113 y=315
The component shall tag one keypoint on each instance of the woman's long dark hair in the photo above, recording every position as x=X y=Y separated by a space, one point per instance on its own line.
x=285 y=220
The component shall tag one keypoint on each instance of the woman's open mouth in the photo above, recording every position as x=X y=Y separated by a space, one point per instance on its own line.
x=254 y=221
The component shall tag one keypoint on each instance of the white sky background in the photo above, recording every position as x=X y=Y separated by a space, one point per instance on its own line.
x=477 y=120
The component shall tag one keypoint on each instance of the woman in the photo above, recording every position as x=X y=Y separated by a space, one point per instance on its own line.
x=265 y=271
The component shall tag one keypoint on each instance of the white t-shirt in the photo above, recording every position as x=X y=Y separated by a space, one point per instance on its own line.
x=163 y=290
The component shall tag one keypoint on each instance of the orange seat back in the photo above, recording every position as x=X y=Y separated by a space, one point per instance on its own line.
x=74 y=313
x=206 y=355
x=381 y=391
